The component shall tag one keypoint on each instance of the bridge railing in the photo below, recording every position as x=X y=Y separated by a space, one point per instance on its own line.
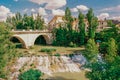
x=23 y=30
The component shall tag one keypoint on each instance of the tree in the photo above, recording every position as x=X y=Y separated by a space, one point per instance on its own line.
x=60 y=36
x=30 y=75
x=108 y=68
x=7 y=50
x=68 y=18
x=81 y=26
x=93 y=22
x=105 y=70
x=39 y=23
x=91 y=51
x=111 y=50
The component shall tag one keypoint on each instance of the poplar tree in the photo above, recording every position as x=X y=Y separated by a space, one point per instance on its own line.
x=81 y=26
x=93 y=22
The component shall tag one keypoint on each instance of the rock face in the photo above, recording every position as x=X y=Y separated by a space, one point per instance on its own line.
x=47 y=64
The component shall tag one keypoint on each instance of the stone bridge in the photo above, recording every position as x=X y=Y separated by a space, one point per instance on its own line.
x=27 y=38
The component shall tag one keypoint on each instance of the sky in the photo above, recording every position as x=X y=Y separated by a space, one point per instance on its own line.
x=48 y=8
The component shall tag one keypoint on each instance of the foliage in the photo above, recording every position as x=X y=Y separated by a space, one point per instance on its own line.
x=93 y=22
x=103 y=48
x=81 y=26
x=72 y=44
x=47 y=50
x=61 y=39
x=7 y=50
x=57 y=54
x=119 y=48
x=105 y=71
x=111 y=50
x=91 y=50
x=30 y=75
x=25 y=22
x=106 y=34
x=108 y=68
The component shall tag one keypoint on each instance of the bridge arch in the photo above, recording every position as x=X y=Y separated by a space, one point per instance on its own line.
x=46 y=38
x=20 y=40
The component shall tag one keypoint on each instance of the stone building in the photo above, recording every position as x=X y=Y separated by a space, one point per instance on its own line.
x=58 y=21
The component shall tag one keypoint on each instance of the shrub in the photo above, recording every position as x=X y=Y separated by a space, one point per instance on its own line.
x=72 y=44
x=30 y=75
x=57 y=54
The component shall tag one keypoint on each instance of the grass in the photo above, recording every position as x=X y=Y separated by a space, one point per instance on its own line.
x=35 y=50
x=66 y=76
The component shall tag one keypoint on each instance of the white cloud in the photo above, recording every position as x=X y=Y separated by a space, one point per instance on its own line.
x=74 y=10
x=4 y=12
x=115 y=8
x=115 y=18
x=103 y=16
x=32 y=10
x=58 y=12
x=54 y=4
x=42 y=11
x=80 y=7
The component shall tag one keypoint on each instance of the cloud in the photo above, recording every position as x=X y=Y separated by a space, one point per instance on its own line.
x=115 y=18
x=80 y=7
x=115 y=8
x=58 y=12
x=4 y=12
x=42 y=11
x=74 y=10
x=33 y=10
x=54 y=4
x=102 y=16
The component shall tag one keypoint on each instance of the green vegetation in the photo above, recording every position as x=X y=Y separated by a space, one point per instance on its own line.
x=25 y=22
x=49 y=50
x=7 y=50
x=91 y=50
x=93 y=22
x=81 y=29
x=30 y=75
x=108 y=68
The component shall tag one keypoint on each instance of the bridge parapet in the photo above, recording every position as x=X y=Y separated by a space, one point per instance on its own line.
x=29 y=31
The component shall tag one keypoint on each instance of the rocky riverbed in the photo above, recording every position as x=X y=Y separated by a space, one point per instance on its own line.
x=48 y=64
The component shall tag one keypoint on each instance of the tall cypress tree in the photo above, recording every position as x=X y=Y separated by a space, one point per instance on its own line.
x=81 y=27
x=68 y=18
x=93 y=22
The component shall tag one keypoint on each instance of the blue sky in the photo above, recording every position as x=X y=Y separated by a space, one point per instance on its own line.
x=49 y=8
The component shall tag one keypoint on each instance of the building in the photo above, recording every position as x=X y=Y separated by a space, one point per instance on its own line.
x=58 y=21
